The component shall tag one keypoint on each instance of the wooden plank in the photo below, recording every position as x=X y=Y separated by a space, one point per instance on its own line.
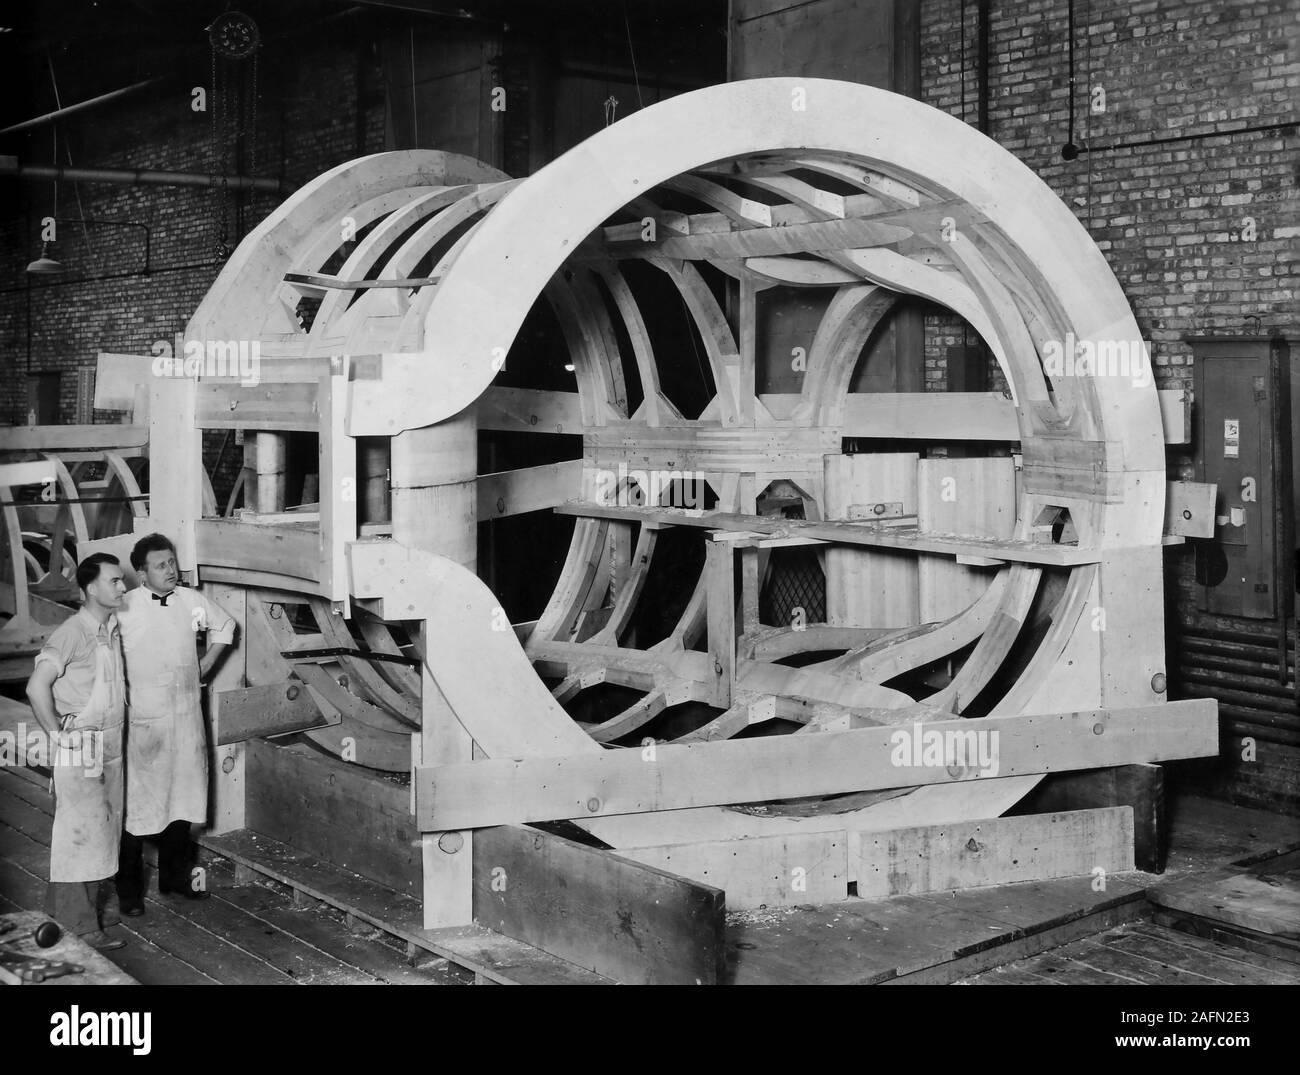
x=1168 y=946
x=502 y=959
x=514 y=492
x=867 y=588
x=73 y=438
x=1138 y=786
x=282 y=551
x=1265 y=899
x=627 y=921
x=249 y=712
x=993 y=851
x=330 y=935
x=333 y=811
x=506 y=791
x=1265 y=949
x=275 y=408
x=337 y=469
x=969 y=496
x=764 y=871
x=721 y=597
x=848 y=533
x=1136 y=965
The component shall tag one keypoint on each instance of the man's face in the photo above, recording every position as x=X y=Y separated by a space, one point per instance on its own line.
x=160 y=571
x=109 y=588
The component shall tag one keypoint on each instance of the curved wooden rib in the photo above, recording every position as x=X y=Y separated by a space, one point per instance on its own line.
x=635 y=716
x=17 y=554
x=1065 y=622
x=369 y=250
x=994 y=644
x=378 y=637
x=883 y=661
x=70 y=513
x=577 y=577
x=630 y=591
x=406 y=709
x=130 y=487
x=775 y=643
x=715 y=333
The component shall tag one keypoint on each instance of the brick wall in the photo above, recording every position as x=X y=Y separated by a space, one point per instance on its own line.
x=1188 y=75
x=307 y=122
x=1187 y=148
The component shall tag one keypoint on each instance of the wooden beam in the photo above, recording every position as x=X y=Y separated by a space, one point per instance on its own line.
x=515 y=492
x=633 y=923
x=529 y=410
x=721 y=597
x=242 y=713
x=824 y=236
x=83 y=438
x=817 y=867
x=508 y=791
x=285 y=551
x=270 y=407
x=1140 y=787
x=848 y=533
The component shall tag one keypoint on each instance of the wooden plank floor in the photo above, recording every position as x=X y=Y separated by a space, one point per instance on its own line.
x=1143 y=953
x=246 y=933
x=1053 y=932
x=950 y=937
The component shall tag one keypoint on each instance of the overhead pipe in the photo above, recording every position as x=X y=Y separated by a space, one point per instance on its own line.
x=80 y=106
x=140 y=176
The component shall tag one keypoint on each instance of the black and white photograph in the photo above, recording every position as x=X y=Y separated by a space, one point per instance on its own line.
x=650 y=492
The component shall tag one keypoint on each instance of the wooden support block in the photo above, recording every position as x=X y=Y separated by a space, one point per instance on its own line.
x=506 y=791
x=226 y=763
x=992 y=851
x=1138 y=786
x=721 y=595
x=252 y=712
x=763 y=871
x=627 y=921
x=1189 y=509
x=749 y=589
x=446 y=855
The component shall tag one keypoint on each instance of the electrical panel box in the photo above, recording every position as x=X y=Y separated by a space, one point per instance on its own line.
x=1245 y=444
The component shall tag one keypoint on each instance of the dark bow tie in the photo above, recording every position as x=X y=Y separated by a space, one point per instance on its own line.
x=161 y=600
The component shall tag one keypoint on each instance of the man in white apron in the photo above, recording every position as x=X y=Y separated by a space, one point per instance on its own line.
x=166 y=742
x=78 y=696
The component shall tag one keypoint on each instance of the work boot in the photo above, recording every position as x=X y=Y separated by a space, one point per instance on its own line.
x=102 y=942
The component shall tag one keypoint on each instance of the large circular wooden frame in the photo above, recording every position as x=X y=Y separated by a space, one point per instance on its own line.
x=801 y=182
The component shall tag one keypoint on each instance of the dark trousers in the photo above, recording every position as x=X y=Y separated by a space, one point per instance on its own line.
x=74 y=905
x=175 y=858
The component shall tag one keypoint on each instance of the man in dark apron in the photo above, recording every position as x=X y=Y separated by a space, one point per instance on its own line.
x=78 y=695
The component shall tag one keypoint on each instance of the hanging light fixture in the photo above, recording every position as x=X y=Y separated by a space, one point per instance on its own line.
x=45 y=265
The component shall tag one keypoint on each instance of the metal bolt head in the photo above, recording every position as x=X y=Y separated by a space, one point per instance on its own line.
x=593 y=804
x=1159 y=683
x=228 y=764
x=450 y=842
x=1098 y=728
x=291 y=693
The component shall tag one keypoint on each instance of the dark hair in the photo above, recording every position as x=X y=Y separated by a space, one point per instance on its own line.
x=88 y=569
x=147 y=544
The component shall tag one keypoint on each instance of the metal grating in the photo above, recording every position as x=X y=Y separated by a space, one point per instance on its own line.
x=794 y=580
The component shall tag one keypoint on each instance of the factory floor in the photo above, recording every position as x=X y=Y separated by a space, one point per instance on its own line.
x=1224 y=911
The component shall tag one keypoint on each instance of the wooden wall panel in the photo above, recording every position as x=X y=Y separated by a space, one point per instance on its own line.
x=344 y=814
x=973 y=497
x=876 y=588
